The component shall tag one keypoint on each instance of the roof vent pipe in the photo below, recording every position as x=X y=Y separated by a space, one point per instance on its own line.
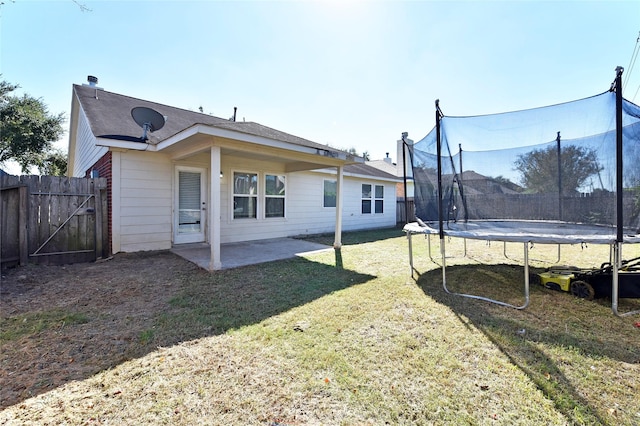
x=93 y=81
x=235 y=109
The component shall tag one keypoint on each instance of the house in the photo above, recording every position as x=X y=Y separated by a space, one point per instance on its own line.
x=398 y=169
x=177 y=177
x=402 y=169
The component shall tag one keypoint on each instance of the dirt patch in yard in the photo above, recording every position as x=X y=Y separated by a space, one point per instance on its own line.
x=64 y=323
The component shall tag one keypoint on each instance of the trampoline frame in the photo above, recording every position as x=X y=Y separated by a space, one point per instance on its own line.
x=414 y=229
x=615 y=243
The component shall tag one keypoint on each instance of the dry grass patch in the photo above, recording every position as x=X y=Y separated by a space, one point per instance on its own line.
x=308 y=342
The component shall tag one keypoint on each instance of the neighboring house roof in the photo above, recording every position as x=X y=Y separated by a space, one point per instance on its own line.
x=389 y=167
x=109 y=116
x=367 y=170
x=385 y=166
x=474 y=183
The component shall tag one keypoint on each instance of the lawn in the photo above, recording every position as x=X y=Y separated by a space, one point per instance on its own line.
x=332 y=338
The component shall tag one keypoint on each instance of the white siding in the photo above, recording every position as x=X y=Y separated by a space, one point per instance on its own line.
x=304 y=209
x=87 y=152
x=145 y=188
x=145 y=201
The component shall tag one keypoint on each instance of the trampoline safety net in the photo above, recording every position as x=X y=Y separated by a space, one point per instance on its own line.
x=556 y=163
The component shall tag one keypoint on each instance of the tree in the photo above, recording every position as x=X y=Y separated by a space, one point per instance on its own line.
x=354 y=151
x=539 y=168
x=27 y=130
x=53 y=163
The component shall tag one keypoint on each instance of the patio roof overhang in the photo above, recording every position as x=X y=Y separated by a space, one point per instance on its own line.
x=200 y=138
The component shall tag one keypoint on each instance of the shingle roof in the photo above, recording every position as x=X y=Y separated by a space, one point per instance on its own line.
x=109 y=116
x=367 y=170
x=385 y=166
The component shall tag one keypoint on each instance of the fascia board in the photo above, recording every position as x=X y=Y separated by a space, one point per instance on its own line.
x=243 y=137
x=73 y=134
x=358 y=175
x=135 y=146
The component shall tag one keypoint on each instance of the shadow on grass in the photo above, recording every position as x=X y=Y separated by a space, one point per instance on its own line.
x=138 y=302
x=356 y=237
x=230 y=299
x=552 y=318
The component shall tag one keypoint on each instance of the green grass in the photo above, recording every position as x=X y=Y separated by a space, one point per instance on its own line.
x=349 y=338
x=12 y=328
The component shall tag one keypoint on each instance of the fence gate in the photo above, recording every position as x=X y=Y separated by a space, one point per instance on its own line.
x=52 y=220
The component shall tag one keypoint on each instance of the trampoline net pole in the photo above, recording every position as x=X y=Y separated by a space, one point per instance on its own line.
x=444 y=264
x=614 y=277
x=615 y=280
x=526 y=276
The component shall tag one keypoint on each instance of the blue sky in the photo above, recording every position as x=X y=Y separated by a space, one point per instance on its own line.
x=344 y=73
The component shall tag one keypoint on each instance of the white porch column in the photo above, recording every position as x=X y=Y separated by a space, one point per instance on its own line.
x=214 y=210
x=337 y=244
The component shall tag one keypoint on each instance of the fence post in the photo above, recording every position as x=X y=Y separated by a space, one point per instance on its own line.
x=23 y=214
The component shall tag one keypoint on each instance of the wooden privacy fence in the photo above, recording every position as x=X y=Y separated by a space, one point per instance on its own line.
x=403 y=209
x=52 y=220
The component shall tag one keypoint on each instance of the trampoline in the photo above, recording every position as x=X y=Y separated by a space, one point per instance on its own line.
x=560 y=174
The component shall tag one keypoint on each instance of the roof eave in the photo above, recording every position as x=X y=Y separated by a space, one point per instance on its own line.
x=361 y=175
x=214 y=131
x=135 y=146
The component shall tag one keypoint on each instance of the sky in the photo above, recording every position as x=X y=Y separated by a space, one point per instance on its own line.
x=351 y=74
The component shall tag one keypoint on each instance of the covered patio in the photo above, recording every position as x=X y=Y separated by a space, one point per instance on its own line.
x=233 y=255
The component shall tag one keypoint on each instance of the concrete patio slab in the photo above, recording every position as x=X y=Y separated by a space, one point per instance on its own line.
x=233 y=255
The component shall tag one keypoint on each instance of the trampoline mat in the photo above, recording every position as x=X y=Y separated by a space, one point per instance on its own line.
x=541 y=232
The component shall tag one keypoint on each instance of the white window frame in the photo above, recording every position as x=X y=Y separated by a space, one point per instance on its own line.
x=233 y=193
x=372 y=198
x=324 y=194
x=266 y=196
x=376 y=199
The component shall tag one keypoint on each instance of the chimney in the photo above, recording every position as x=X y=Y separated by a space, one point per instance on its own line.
x=93 y=81
x=387 y=159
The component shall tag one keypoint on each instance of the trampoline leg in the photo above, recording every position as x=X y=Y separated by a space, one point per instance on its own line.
x=617 y=248
x=540 y=260
x=526 y=276
x=410 y=252
x=487 y=299
x=444 y=264
x=429 y=246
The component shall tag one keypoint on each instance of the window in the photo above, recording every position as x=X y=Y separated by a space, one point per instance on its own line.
x=373 y=198
x=379 y=199
x=330 y=190
x=366 y=199
x=274 y=195
x=245 y=195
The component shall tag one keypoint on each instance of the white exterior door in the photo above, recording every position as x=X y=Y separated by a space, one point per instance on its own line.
x=189 y=216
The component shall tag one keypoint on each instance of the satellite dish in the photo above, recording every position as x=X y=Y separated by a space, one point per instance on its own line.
x=149 y=119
